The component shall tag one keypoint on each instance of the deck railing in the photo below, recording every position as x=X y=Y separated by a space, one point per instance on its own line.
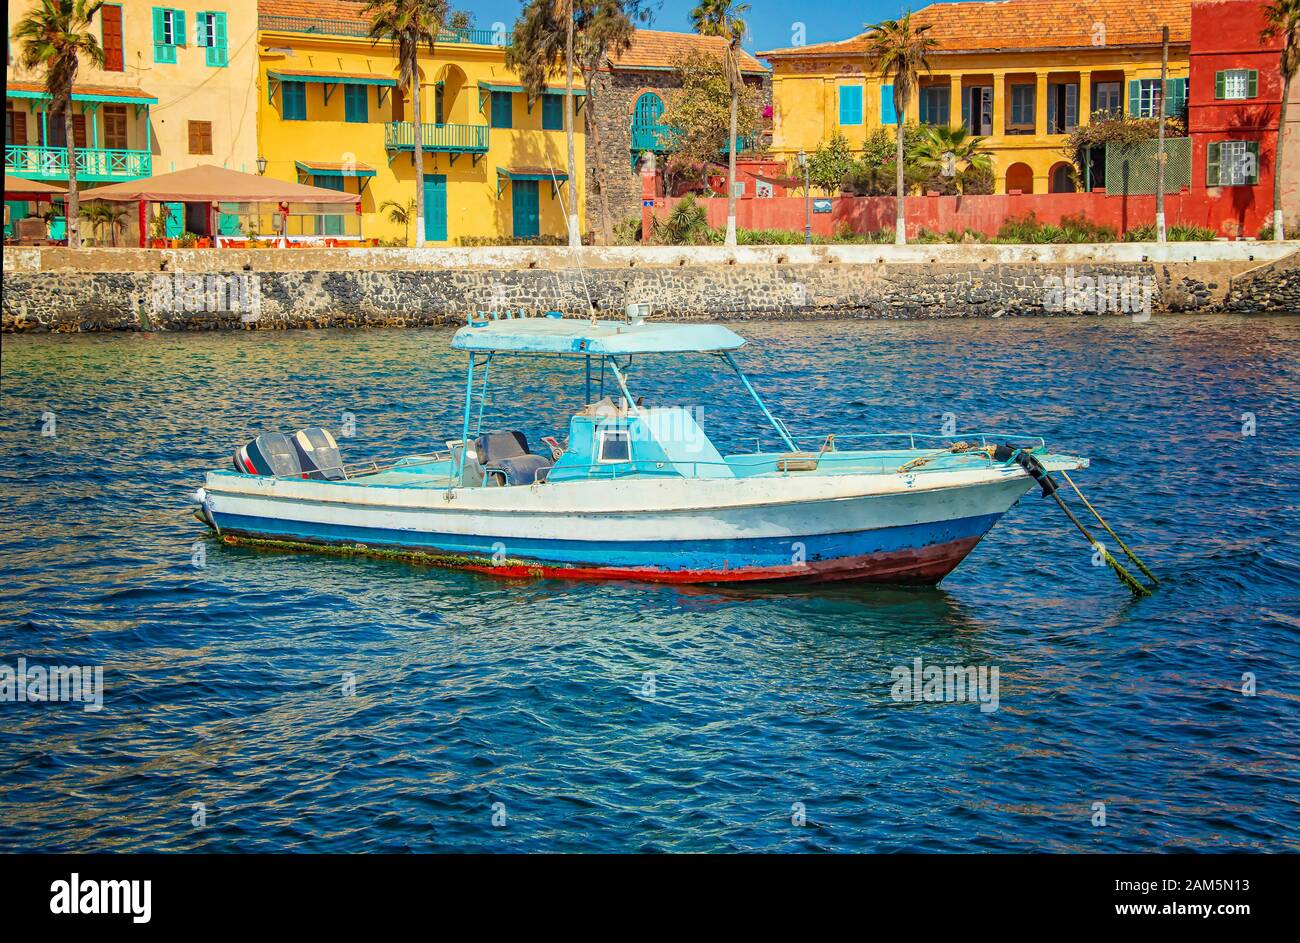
x=454 y=138
x=93 y=163
x=359 y=28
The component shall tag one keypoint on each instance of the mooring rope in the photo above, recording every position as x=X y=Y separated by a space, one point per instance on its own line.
x=1123 y=546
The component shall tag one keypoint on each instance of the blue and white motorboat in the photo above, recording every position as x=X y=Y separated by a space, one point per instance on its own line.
x=633 y=491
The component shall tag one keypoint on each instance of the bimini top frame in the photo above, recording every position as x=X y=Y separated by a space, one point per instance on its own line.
x=583 y=338
x=606 y=340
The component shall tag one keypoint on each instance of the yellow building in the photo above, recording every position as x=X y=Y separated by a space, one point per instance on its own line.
x=330 y=115
x=177 y=89
x=1021 y=73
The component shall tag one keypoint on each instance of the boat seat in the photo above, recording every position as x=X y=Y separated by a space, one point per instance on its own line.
x=318 y=454
x=505 y=457
x=271 y=453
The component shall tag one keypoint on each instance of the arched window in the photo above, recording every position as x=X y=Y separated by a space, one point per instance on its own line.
x=645 y=122
x=1062 y=179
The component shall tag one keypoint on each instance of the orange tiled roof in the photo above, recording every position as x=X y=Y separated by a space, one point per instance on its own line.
x=119 y=91
x=315 y=9
x=656 y=49
x=988 y=25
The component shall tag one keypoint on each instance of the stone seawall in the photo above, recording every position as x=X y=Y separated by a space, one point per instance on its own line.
x=132 y=289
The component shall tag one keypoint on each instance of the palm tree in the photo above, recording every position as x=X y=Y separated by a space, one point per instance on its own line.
x=898 y=51
x=949 y=153
x=408 y=25
x=722 y=18
x=100 y=214
x=400 y=214
x=54 y=36
x=545 y=35
x=1283 y=19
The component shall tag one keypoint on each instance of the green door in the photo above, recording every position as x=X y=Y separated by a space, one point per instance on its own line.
x=528 y=217
x=332 y=223
x=175 y=219
x=435 y=207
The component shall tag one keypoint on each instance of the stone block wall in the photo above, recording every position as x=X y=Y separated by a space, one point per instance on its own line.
x=614 y=98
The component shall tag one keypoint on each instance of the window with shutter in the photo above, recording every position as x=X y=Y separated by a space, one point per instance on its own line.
x=888 y=113
x=1235 y=84
x=115 y=127
x=1238 y=163
x=355 y=104
x=168 y=33
x=552 y=113
x=15 y=127
x=850 y=105
x=200 y=137
x=110 y=32
x=293 y=101
x=211 y=34
x=502 y=106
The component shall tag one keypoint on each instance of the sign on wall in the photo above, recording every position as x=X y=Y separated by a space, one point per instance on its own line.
x=821 y=205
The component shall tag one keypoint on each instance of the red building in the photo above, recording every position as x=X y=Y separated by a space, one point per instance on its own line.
x=1233 y=104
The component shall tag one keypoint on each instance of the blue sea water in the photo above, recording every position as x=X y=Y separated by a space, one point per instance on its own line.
x=492 y=715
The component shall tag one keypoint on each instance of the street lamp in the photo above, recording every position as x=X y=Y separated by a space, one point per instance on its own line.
x=807 y=199
x=261 y=166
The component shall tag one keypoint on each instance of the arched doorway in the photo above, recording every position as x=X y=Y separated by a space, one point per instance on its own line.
x=1061 y=179
x=646 y=112
x=450 y=106
x=1020 y=177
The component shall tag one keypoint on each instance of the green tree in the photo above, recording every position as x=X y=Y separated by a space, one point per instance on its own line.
x=698 y=112
x=99 y=214
x=54 y=35
x=899 y=51
x=400 y=214
x=1283 y=19
x=722 y=18
x=407 y=25
x=601 y=29
x=830 y=164
x=943 y=156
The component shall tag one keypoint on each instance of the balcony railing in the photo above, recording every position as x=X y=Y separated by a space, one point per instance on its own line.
x=95 y=164
x=449 y=138
x=358 y=28
x=651 y=137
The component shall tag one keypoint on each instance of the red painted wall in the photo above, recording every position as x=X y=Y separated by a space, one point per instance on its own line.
x=984 y=214
x=1226 y=35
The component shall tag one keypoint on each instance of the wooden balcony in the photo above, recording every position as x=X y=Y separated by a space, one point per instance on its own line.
x=94 y=164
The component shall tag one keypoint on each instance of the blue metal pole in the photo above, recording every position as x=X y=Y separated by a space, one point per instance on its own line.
x=469 y=408
x=487 y=368
x=780 y=429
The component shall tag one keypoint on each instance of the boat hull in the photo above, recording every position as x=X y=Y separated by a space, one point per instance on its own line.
x=834 y=532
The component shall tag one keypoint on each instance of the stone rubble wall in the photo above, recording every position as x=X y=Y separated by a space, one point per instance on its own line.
x=131 y=289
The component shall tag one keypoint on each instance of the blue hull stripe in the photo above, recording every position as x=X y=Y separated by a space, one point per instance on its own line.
x=660 y=554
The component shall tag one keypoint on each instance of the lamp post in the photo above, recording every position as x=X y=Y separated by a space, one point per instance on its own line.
x=807 y=199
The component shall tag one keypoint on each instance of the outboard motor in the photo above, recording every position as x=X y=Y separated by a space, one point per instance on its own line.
x=271 y=453
x=318 y=454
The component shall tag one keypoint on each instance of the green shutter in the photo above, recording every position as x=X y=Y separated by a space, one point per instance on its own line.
x=1252 y=83
x=502 y=109
x=1134 y=98
x=356 y=104
x=1218 y=85
x=1175 y=97
x=162 y=52
x=178 y=27
x=216 y=53
x=201 y=30
x=1212 y=163
x=1252 y=148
